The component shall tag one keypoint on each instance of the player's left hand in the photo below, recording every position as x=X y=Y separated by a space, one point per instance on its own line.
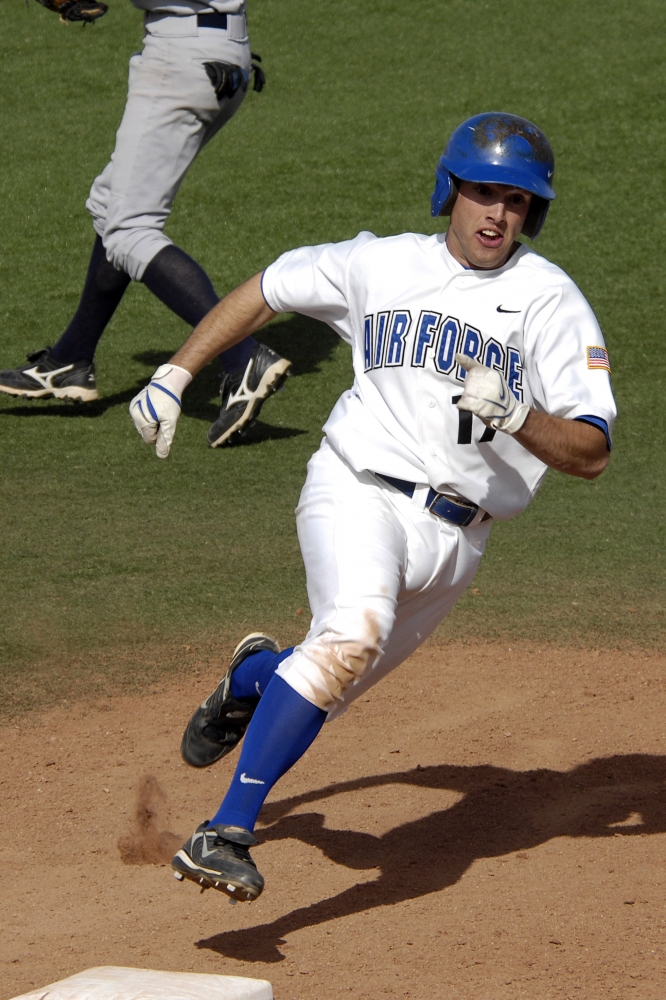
x=488 y=395
x=156 y=409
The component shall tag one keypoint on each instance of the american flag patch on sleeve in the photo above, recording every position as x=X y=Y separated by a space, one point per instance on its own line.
x=597 y=357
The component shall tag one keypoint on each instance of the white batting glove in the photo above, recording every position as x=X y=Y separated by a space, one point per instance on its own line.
x=487 y=394
x=156 y=409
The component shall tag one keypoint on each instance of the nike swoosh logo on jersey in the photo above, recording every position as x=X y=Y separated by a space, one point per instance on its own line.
x=500 y=310
x=45 y=379
x=250 y=781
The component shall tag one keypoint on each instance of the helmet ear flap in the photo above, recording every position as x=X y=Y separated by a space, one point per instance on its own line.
x=445 y=193
x=451 y=200
x=536 y=217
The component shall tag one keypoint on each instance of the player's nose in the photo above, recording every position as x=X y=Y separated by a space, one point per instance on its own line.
x=497 y=212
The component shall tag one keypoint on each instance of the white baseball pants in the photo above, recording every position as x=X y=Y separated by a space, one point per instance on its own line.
x=171 y=112
x=382 y=572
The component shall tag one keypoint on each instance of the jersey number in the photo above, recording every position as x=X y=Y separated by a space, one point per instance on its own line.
x=465 y=426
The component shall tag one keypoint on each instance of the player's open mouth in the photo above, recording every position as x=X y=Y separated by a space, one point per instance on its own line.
x=489 y=238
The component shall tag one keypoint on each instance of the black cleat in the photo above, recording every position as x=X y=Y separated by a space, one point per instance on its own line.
x=43 y=377
x=219 y=724
x=217 y=857
x=244 y=394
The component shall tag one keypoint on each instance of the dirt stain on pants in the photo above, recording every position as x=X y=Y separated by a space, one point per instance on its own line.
x=331 y=662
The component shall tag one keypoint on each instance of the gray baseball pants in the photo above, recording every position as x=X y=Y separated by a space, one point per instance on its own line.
x=171 y=113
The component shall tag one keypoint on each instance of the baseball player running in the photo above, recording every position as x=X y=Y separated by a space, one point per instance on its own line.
x=187 y=83
x=478 y=364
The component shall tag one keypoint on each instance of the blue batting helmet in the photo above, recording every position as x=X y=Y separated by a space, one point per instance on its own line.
x=497 y=148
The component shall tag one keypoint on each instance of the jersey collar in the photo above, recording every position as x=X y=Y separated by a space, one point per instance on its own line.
x=455 y=266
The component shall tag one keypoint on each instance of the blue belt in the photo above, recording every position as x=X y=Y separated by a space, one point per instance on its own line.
x=460 y=512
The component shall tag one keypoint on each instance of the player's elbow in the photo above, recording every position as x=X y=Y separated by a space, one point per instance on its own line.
x=595 y=466
x=593 y=451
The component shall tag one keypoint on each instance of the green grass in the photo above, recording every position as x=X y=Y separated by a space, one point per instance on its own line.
x=105 y=548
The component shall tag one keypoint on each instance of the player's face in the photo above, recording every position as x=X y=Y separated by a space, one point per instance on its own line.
x=485 y=221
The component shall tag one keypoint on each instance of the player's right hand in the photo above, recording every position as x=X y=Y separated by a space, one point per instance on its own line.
x=156 y=409
x=488 y=395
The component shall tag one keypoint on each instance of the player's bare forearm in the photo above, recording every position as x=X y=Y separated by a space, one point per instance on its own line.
x=570 y=446
x=238 y=315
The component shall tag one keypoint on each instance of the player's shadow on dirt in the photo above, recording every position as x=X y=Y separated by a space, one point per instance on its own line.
x=501 y=812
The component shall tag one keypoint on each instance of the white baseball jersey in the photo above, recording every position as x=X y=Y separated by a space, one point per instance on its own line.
x=406 y=306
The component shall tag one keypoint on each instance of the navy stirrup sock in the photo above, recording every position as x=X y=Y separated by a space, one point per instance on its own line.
x=282 y=728
x=235 y=359
x=181 y=284
x=174 y=277
x=185 y=288
x=103 y=289
x=251 y=678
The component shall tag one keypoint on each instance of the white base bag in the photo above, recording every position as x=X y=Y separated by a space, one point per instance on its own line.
x=110 y=982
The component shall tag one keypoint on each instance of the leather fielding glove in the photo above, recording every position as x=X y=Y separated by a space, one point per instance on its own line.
x=156 y=409
x=487 y=394
x=76 y=10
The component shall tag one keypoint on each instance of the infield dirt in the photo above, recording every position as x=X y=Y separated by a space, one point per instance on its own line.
x=489 y=823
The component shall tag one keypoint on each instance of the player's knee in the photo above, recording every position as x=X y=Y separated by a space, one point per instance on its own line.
x=332 y=662
x=131 y=250
x=331 y=665
x=121 y=257
x=96 y=204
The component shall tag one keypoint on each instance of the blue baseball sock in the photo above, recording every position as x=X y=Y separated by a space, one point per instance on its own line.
x=251 y=678
x=282 y=728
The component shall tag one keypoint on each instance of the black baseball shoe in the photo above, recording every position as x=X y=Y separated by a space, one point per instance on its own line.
x=219 y=724
x=43 y=377
x=244 y=394
x=217 y=857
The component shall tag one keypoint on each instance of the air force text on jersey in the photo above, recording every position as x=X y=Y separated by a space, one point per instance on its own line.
x=406 y=306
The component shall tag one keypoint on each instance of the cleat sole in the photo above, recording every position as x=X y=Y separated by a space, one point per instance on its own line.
x=186 y=868
x=75 y=394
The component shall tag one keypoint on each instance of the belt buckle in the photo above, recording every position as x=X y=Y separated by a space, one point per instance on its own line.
x=471 y=508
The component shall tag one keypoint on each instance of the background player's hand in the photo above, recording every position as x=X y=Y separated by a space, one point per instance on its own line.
x=488 y=395
x=156 y=409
